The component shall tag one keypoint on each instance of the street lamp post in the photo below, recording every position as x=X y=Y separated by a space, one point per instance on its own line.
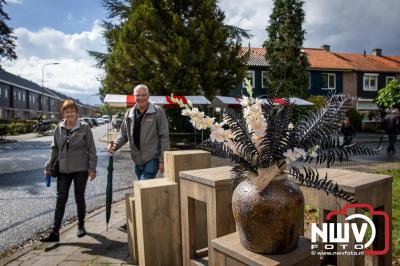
x=42 y=99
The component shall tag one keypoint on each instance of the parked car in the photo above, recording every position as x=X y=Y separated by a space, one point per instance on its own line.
x=86 y=120
x=94 y=121
x=100 y=121
x=106 y=118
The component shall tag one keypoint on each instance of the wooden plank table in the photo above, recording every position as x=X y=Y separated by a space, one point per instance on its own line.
x=229 y=252
x=212 y=186
x=372 y=189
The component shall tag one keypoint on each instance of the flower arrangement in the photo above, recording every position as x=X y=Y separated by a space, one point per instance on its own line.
x=264 y=142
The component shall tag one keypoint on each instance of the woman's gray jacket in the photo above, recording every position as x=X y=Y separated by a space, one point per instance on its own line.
x=79 y=151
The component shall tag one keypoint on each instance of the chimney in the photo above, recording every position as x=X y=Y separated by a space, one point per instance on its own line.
x=326 y=47
x=377 y=51
x=365 y=53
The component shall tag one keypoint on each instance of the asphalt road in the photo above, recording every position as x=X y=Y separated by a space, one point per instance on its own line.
x=27 y=205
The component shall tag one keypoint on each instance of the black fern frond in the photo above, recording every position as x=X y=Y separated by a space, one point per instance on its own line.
x=275 y=141
x=242 y=139
x=220 y=150
x=332 y=151
x=311 y=178
x=321 y=124
x=239 y=174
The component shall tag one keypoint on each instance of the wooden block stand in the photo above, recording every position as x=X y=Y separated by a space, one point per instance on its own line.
x=212 y=186
x=229 y=252
x=131 y=223
x=157 y=222
x=372 y=189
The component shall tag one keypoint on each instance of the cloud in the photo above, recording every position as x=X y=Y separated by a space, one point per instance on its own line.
x=348 y=26
x=76 y=74
x=17 y=2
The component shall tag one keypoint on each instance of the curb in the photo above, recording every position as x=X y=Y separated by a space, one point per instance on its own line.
x=64 y=229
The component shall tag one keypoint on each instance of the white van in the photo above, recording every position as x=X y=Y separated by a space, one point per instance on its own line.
x=106 y=118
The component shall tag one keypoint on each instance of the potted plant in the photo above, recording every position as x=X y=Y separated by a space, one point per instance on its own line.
x=267 y=147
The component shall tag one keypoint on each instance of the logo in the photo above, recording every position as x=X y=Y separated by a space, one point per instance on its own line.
x=359 y=227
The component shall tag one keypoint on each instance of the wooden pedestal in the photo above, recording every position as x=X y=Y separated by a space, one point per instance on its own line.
x=131 y=223
x=212 y=186
x=176 y=161
x=373 y=189
x=229 y=252
x=157 y=222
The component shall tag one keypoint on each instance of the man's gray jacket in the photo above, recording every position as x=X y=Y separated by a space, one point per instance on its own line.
x=154 y=136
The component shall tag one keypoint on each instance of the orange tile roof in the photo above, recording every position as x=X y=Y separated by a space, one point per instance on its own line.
x=322 y=59
x=257 y=56
x=327 y=60
x=369 y=62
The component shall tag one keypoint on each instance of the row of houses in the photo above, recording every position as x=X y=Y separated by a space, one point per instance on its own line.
x=21 y=99
x=359 y=75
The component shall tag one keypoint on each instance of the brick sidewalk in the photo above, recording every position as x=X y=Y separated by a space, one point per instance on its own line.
x=97 y=247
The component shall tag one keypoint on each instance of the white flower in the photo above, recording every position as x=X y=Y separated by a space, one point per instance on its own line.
x=218 y=134
x=300 y=153
x=290 y=156
x=290 y=126
x=245 y=101
x=186 y=112
x=209 y=121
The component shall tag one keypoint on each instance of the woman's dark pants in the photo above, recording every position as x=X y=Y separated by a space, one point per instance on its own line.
x=63 y=184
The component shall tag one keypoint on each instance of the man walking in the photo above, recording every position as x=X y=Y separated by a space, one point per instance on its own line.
x=145 y=127
x=391 y=125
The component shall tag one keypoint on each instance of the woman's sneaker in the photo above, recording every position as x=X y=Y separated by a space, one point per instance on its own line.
x=81 y=231
x=53 y=237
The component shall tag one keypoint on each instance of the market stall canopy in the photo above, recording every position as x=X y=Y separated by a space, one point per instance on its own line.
x=118 y=100
x=225 y=101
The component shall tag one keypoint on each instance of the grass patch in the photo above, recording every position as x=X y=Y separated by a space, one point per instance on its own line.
x=395 y=214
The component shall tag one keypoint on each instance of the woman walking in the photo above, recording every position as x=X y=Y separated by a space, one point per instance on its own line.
x=74 y=145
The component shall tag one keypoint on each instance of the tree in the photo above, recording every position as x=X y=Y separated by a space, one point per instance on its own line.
x=179 y=47
x=389 y=97
x=286 y=64
x=7 y=38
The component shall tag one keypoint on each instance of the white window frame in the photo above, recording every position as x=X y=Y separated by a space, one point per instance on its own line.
x=334 y=81
x=370 y=76
x=253 y=79
x=264 y=86
x=389 y=77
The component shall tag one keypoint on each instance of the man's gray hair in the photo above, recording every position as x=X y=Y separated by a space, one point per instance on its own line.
x=141 y=86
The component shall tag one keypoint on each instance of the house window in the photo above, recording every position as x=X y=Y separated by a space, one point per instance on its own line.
x=370 y=82
x=328 y=81
x=309 y=80
x=1 y=91
x=264 y=79
x=389 y=79
x=23 y=96
x=6 y=93
x=250 y=76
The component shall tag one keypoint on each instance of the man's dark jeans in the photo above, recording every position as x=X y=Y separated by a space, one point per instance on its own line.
x=148 y=170
x=392 y=143
x=63 y=184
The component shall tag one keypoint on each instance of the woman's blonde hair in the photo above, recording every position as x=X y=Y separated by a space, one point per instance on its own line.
x=67 y=104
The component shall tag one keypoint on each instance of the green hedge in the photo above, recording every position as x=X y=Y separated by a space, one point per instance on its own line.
x=20 y=127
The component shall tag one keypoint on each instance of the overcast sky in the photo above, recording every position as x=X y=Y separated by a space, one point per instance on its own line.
x=63 y=30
